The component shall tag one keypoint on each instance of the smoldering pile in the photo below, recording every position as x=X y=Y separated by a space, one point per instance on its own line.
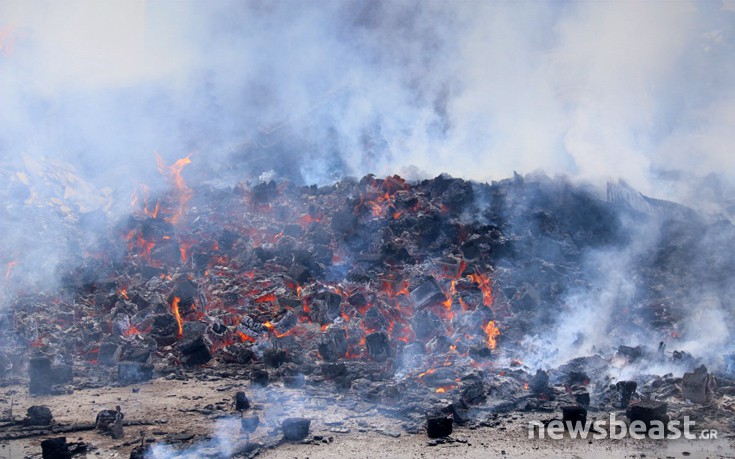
x=423 y=293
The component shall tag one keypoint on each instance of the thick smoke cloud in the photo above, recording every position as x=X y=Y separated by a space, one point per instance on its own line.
x=321 y=89
x=476 y=89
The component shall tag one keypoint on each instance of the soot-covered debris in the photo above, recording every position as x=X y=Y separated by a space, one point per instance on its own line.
x=419 y=297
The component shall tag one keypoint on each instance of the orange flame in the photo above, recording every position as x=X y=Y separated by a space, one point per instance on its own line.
x=154 y=213
x=175 y=310
x=450 y=296
x=492 y=332
x=133 y=330
x=183 y=193
x=272 y=328
x=427 y=372
x=11 y=263
x=267 y=298
x=245 y=337
x=444 y=389
x=484 y=283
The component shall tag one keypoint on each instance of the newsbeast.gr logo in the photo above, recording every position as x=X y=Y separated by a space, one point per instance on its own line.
x=616 y=429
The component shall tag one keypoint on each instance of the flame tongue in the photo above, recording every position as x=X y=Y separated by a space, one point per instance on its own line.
x=175 y=310
x=492 y=332
x=182 y=193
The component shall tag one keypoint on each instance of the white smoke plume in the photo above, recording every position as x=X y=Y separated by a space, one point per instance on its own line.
x=321 y=89
x=476 y=89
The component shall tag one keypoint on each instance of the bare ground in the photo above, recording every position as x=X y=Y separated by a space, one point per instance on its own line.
x=183 y=413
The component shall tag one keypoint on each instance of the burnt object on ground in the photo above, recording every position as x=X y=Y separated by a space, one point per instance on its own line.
x=242 y=402
x=195 y=351
x=38 y=415
x=648 y=411
x=698 y=386
x=295 y=429
x=626 y=389
x=43 y=376
x=110 y=422
x=55 y=448
x=439 y=425
x=572 y=415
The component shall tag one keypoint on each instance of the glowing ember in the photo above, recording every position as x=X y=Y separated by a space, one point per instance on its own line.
x=133 y=330
x=445 y=389
x=266 y=299
x=492 y=332
x=245 y=337
x=427 y=372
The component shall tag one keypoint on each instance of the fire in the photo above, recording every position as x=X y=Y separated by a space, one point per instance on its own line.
x=184 y=247
x=268 y=298
x=245 y=337
x=392 y=290
x=154 y=213
x=272 y=328
x=306 y=220
x=427 y=372
x=492 y=332
x=183 y=193
x=133 y=330
x=484 y=283
x=450 y=296
x=175 y=310
x=9 y=270
x=444 y=389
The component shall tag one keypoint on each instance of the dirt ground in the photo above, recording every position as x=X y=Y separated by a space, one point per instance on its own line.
x=183 y=413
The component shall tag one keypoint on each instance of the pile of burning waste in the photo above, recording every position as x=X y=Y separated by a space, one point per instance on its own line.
x=419 y=296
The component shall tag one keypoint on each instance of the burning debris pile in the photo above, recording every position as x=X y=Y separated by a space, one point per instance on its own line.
x=423 y=293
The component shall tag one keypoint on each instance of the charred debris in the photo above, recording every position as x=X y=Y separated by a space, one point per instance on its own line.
x=416 y=297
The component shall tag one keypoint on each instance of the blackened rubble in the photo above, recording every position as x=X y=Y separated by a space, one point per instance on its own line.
x=379 y=289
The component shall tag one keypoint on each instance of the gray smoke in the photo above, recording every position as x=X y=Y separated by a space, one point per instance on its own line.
x=476 y=89
x=316 y=90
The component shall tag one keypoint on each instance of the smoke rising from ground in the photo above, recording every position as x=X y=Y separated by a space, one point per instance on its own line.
x=319 y=90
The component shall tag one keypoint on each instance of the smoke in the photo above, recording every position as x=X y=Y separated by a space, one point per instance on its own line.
x=659 y=275
x=316 y=90
x=593 y=90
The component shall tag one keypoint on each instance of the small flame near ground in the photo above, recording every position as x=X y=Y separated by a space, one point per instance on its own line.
x=9 y=269
x=492 y=332
x=175 y=310
x=182 y=192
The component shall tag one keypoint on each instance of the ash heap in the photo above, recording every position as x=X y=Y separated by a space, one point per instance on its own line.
x=438 y=302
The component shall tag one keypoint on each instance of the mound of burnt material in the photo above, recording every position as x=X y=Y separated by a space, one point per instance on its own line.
x=380 y=288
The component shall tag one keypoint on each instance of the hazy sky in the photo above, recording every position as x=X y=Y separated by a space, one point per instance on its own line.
x=478 y=89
